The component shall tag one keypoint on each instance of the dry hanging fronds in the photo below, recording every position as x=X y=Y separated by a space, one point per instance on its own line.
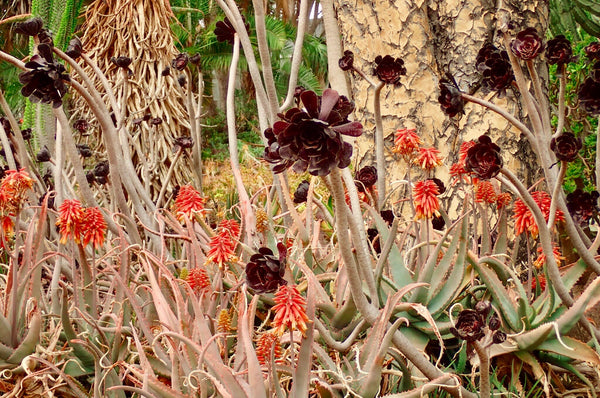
x=138 y=30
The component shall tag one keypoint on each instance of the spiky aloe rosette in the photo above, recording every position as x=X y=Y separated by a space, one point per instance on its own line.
x=154 y=114
x=311 y=139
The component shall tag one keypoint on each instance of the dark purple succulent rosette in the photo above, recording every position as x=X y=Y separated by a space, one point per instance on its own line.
x=486 y=52
x=347 y=61
x=450 y=99
x=31 y=27
x=483 y=159
x=180 y=61
x=589 y=96
x=389 y=69
x=225 y=31
x=527 y=45
x=301 y=193
x=470 y=326
x=45 y=80
x=559 y=51
x=495 y=68
x=566 y=146
x=265 y=271
x=75 y=48
x=366 y=178
x=184 y=142
x=311 y=139
x=81 y=125
x=592 y=51
x=582 y=205
x=440 y=185
x=438 y=223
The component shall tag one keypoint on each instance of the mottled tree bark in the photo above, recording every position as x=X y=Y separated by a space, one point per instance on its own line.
x=434 y=38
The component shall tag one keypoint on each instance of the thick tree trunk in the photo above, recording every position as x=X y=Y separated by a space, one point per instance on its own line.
x=434 y=38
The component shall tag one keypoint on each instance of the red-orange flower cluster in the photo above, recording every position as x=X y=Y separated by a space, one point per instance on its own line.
x=290 y=310
x=198 y=279
x=13 y=189
x=406 y=142
x=524 y=220
x=83 y=225
x=485 y=192
x=188 y=203
x=458 y=171
x=425 y=198
x=265 y=344
x=503 y=199
x=541 y=260
x=223 y=244
x=428 y=158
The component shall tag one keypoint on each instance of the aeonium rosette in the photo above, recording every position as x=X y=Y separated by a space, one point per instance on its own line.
x=310 y=139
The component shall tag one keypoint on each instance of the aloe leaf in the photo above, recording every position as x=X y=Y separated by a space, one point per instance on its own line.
x=533 y=338
x=371 y=386
x=589 y=297
x=87 y=360
x=255 y=376
x=501 y=245
x=305 y=354
x=431 y=266
x=572 y=348
x=400 y=274
x=550 y=301
x=501 y=296
x=4 y=330
x=30 y=341
x=455 y=281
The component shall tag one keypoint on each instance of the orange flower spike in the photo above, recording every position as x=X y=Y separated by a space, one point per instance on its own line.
x=17 y=183
x=503 y=199
x=265 y=343
x=70 y=217
x=188 y=203
x=231 y=226
x=198 y=279
x=94 y=227
x=425 y=199
x=221 y=248
x=541 y=260
x=406 y=142
x=458 y=173
x=485 y=192
x=428 y=158
x=290 y=310
x=524 y=220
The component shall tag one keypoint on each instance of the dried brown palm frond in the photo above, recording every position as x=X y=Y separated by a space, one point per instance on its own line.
x=139 y=30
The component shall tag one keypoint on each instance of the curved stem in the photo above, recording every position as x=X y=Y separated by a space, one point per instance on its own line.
x=502 y=112
x=10 y=159
x=161 y=195
x=337 y=77
x=233 y=14
x=541 y=98
x=484 y=370
x=561 y=99
x=532 y=112
x=359 y=236
x=297 y=54
x=245 y=206
x=556 y=193
x=379 y=146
